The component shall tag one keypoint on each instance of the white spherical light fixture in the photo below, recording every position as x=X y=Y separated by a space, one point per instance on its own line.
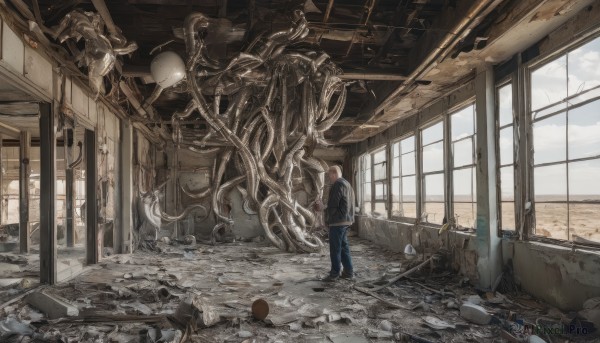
x=167 y=68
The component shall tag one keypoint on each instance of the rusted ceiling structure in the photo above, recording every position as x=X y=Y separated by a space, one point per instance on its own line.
x=396 y=55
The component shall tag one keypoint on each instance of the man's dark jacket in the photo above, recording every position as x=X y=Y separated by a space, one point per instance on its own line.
x=340 y=206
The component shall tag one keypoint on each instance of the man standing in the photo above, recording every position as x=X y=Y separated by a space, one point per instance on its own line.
x=339 y=215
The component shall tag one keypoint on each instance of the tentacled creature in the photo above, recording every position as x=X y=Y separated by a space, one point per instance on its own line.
x=100 y=50
x=281 y=95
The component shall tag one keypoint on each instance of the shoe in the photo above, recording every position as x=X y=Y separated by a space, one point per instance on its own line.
x=330 y=278
x=347 y=276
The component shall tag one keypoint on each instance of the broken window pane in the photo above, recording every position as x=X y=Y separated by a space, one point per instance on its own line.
x=433 y=157
x=584 y=73
x=408 y=164
x=506 y=144
x=550 y=139
x=433 y=133
x=505 y=111
x=584 y=131
x=550 y=183
x=549 y=83
x=463 y=124
x=463 y=152
x=551 y=220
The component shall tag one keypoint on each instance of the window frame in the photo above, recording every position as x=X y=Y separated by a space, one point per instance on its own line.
x=532 y=117
x=509 y=80
x=367 y=163
x=422 y=175
x=472 y=166
x=401 y=176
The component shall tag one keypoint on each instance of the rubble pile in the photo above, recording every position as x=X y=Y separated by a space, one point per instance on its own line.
x=253 y=292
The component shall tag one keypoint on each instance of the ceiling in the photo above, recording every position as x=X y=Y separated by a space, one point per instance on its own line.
x=386 y=48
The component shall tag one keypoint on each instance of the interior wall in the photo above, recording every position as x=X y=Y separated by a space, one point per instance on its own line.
x=562 y=276
x=394 y=235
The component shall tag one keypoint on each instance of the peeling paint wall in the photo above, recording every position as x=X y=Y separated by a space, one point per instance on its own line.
x=461 y=246
x=561 y=276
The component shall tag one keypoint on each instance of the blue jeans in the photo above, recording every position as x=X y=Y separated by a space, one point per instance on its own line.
x=339 y=251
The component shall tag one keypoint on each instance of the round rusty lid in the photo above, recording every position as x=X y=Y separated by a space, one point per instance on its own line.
x=260 y=309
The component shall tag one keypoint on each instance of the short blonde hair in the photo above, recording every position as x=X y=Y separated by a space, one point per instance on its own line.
x=337 y=169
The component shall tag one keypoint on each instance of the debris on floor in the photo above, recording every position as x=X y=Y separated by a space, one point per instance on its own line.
x=252 y=292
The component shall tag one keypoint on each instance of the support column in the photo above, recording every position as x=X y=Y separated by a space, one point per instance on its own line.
x=125 y=233
x=47 y=195
x=489 y=264
x=69 y=189
x=93 y=242
x=24 y=171
x=524 y=207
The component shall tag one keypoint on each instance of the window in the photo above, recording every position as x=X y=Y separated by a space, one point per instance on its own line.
x=565 y=114
x=404 y=179
x=504 y=111
x=432 y=142
x=374 y=187
x=463 y=173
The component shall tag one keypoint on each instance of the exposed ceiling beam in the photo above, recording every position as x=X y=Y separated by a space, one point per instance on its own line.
x=100 y=6
x=7 y=130
x=433 y=47
x=373 y=76
x=19 y=108
x=328 y=11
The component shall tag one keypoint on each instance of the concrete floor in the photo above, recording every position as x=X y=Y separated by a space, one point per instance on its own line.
x=134 y=298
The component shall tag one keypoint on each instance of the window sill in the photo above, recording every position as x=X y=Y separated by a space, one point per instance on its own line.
x=567 y=245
